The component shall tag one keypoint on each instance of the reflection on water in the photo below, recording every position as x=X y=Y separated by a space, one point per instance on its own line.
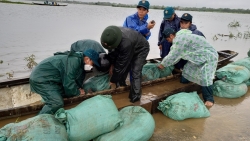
x=229 y=120
x=43 y=30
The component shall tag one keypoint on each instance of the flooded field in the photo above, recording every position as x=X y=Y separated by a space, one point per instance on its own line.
x=44 y=30
x=41 y=31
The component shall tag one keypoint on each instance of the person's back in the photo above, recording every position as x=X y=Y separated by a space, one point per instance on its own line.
x=83 y=45
x=56 y=72
x=138 y=21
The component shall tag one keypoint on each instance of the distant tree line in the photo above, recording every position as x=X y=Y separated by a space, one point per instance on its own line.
x=203 y=9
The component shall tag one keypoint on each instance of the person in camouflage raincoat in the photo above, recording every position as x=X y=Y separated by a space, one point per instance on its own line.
x=201 y=56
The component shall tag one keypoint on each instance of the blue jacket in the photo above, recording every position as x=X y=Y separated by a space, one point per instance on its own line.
x=194 y=30
x=134 y=22
x=175 y=24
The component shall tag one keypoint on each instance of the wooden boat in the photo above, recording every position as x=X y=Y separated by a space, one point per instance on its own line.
x=47 y=4
x=224 y=58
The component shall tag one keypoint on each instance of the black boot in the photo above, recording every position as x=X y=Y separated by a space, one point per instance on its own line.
x=135 y=98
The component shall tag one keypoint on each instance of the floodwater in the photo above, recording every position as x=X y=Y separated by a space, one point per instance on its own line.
x=44 y=30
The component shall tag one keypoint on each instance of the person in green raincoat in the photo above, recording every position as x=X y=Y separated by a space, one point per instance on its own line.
x=61 y=76
x=201 y=56
x=82 y=45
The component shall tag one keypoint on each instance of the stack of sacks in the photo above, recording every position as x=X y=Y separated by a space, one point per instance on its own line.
x=90 y=119
x=150 y=71
x=138 y=125
x=234 y=77
x=39 y=128
x=183 y=105
x=245 y=62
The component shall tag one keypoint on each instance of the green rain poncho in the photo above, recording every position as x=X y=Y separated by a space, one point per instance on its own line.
x=201 y=56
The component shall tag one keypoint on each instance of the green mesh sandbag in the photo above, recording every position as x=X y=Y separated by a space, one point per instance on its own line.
x=39 y=128
x=247 y=82
x=243 y=62
x=166 y=71
x=183 y=105
x=150 y=72
x=91 y=118
x=96 y=83
x=227 y=90
x=138 y=125
x=233 y=74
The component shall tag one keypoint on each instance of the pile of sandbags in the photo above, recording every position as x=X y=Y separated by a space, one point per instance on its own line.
x=39 y=128
x=138 y=125
x=228 y=90
x=233 y=79
x=150 y=71
x=183 y=105
x=96 y=83
x=91 y=118
x=245 y=62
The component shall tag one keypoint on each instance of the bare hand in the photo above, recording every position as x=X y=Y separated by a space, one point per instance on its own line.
x=112 y=85
x=81 y=91
x=111 y=70
x=161 y=66
x=151 y=25
x=160 y=47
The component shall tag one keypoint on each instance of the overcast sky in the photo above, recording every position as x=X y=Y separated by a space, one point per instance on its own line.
x=234 y=4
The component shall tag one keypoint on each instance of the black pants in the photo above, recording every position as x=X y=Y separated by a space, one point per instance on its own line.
x=135 y=73
x=207 y=91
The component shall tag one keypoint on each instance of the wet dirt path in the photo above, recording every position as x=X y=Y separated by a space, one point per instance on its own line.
x=229 y=121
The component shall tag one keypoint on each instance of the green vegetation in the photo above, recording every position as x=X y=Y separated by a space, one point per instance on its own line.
x=234 y=24
x=203 y=9
x=1 y=61
x=11 y=2
x=31 y=61
x=10 y=75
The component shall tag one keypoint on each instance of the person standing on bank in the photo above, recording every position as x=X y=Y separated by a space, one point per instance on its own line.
x=128 y=50
x=138 y=21
x=186 y=23
x=61 y=76
x=201 y=56
x=170 y=20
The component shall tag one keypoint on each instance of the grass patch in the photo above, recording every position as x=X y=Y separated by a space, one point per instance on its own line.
x=12 y=2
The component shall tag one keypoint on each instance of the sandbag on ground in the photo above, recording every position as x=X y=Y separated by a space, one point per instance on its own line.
x=243 y=62
x=233 y=74
x=96 y=83
x=39 y=128
x=227 y=90
x=138 y=125
x=91 y=118
x=183 y=105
